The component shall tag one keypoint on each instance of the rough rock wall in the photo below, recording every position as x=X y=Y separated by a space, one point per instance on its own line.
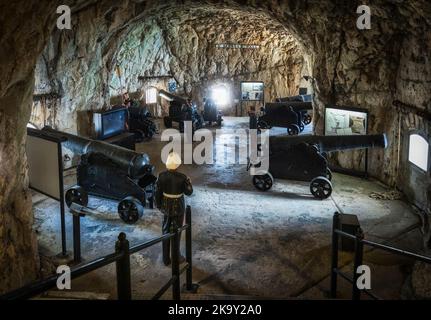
x=76 y=65
x=21 y=41
x=413 y=88
x=182 y=45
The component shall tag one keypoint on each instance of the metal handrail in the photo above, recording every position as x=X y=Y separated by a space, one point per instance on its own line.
x=166 y=287
x=121 y=258
x=397 y=251
x=40 y=286
x=360 y=242
x=150 y=243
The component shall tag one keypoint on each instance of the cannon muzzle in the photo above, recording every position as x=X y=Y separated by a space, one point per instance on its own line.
x=172 y=97
x=331 y=143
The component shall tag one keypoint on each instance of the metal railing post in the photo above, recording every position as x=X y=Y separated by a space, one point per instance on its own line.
x=124 y=289
x=359 y=252
x=334 y=255
x=76 y=238
x=189 y=277
x=175 y=249
x=151 y=200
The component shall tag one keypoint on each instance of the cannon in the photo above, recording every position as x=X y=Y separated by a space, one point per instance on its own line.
x=210 y=113
x=112 y=172
x=300 y=158
x=141 y=123
x=307 y=117
x=179 y=111
x=288 y=115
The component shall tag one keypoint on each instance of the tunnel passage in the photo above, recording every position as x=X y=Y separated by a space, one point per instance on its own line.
x=370 y=69
x=195 y=48
x=178 y=43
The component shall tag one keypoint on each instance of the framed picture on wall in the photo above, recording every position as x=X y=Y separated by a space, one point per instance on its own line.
x=341 y=121
x=252 y=91
x=345 y=121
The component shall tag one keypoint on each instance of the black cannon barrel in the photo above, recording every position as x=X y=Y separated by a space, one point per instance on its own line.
x=331 y=143
x=133 y=163
x=301 y=98
x=296 y=105
x=172 y=97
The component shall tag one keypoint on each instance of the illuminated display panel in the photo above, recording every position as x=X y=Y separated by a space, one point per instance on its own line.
x=340 y=121
x=252 y=91
x=418 y=151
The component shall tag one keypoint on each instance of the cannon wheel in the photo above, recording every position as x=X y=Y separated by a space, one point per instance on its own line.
x=262 y=125
x=168 y=122
x=263 y=182
x=307 y=119
x=293 y=130
x=130 y=210
x=329 y=174
x=301 y=126
x=321 y=188
x=76 y=195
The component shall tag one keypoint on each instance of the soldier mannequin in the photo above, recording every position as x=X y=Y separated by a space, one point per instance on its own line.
x=171 y=188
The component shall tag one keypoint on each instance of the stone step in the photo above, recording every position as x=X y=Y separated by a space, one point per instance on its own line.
x=72 y=295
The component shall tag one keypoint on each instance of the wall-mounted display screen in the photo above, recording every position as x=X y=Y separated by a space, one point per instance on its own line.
x=252 y=91
x=345 y=121
x=109 y=123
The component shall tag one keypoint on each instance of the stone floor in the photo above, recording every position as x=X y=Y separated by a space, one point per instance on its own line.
x=247 y=243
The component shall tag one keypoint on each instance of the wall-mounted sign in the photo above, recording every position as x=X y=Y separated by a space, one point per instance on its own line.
x=252 y=91
x=236 y=46
x=345 y=121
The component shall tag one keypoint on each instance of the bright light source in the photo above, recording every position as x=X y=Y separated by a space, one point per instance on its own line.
x=151 y=95
x=418 y=151
x=220 y=95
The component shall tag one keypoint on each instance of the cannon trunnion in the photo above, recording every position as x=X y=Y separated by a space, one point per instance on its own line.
x=300 y=158
x=112 y=172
